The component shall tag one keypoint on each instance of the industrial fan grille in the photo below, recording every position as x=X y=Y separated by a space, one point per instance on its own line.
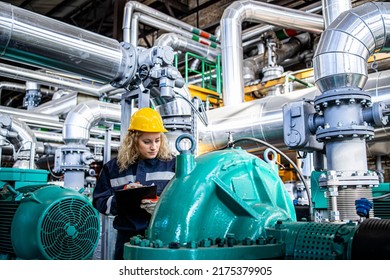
x=70 y=230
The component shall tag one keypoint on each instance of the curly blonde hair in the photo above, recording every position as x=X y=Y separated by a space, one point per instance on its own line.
x=128 y=152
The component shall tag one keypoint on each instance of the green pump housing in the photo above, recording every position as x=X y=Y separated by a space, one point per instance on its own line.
x=217 y=206
x=43 y=221
x=229 y=204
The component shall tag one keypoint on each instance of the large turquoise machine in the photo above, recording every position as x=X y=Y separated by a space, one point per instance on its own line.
x=230 y=204
x=42 y=221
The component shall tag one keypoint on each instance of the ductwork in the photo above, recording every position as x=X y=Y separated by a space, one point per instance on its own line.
x=80 y=120
x=231 y=22
x=181 y=43
x=37 y=40
x=345 y=46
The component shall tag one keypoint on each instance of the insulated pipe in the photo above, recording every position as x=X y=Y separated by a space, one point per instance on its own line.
x=80 y=120
x=58 y=106
x=263 y=118
x=48 y=121
x=151 y=21
x=181 y=43
x=345 y=46
x=256 y=31
x=133 y=6
x=37 y=40
x=27 y=143
x=231 y=22
x=333 y=8
x=52 y=80
x=51 y=137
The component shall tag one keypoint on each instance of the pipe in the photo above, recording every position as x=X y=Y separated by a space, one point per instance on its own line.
x=181 y=43
x=263 y=118
x=355 y=35
x=27 y=144
x=52 y=137
x=52 y=80
x=231 y=22
x=37 y=40
x=58 y=106
x=48 y=121
x=257 y=30
x=79 y=120
x=254 y=64
x=333 y=8
x=133 y=6
x=148 y=20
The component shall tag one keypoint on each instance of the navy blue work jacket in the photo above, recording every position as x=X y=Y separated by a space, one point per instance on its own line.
x=146 y=172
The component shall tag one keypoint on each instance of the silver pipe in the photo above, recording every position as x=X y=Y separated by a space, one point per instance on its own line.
x=263 y=118
x=333 y=8
x=48 y=43
x=58 y=106
x=51 y=80
x=80 y=120
x=257 y=30
x=231 y=23
x=181 y=43
x=151 y=21
x=39 y=120
x=27 y=144
x=133 y=6
x=52 y=137
x=345 y=46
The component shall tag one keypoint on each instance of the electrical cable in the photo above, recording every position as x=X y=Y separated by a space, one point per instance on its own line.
x=299 y=173
x=204 y=118
x=381 y=197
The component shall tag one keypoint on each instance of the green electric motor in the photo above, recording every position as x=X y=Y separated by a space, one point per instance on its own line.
x=47 y=222
x=218 y=206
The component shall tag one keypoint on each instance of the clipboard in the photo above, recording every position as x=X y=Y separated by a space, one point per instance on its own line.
x=128 y=201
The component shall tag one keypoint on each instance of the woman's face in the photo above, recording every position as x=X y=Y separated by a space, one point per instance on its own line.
x=149 y=144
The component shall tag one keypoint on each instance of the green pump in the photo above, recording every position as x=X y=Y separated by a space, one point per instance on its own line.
x=217 y=206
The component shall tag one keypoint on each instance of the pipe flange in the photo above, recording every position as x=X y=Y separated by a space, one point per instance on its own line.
x=345 y=132
x=348 y=179
x=342 y=96
x=128 y=66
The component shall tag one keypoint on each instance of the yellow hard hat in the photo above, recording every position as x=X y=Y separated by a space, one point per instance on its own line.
x=147 y=120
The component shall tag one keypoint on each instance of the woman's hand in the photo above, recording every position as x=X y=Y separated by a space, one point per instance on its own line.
x=132 y=185
x=149 y=204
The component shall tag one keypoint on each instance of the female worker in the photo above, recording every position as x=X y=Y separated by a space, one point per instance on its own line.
x=143 y=158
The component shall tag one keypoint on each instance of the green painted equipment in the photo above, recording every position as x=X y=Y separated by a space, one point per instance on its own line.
x=230 y=204
x=41 y=221
x=217 y=207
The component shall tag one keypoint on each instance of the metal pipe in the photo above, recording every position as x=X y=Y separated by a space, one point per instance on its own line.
x=263 y=118
x=151 y=21
x=257 y=30
x=52 y=80
x=345 y=46
x=37 y=40
x=58 y=106
x=133 y=6
x=52 y=137
x=27 y=144
x=181 y=43
x=80 y=120
x=333 y=8
x=231 y=46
